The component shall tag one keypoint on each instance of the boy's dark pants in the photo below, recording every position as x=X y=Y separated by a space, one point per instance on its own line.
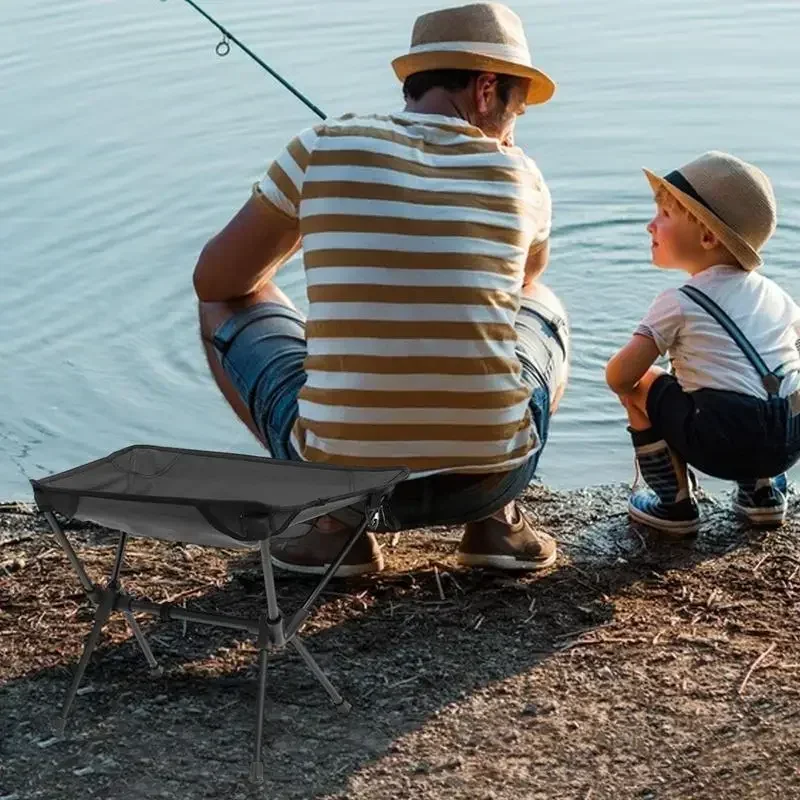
x=726 y=434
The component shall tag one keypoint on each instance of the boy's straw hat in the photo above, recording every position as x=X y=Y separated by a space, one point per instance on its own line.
x=732 y=198
x=485 y=37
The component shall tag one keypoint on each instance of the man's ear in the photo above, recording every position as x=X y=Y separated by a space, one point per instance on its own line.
x=485 y=91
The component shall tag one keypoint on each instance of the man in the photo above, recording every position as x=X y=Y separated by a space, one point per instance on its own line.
x=429 y=342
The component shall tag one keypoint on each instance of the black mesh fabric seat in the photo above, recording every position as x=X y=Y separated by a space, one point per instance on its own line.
x=217 y=500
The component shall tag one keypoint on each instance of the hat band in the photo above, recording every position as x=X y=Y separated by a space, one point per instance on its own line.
x=506 y=52
x=676 y=179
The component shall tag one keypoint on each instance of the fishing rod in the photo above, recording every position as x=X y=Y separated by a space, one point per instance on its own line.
x=223 y=48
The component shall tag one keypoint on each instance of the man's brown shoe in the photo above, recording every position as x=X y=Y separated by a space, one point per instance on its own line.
x=314 y=552
x=503 y=545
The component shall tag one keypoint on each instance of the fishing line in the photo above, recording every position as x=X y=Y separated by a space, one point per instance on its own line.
x=223 y=48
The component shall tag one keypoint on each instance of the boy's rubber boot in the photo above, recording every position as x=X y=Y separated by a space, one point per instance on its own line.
x=668 y=505
x=762 y=501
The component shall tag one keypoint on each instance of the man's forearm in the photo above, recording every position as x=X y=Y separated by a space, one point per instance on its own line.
x=245 y=254
x=213 y=282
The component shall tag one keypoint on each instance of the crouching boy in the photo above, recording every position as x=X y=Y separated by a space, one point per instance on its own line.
x=731 y=407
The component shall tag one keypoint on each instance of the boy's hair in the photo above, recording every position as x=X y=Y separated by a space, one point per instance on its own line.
x=669 y=201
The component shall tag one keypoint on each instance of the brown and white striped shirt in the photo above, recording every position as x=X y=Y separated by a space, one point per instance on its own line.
x=415 y=231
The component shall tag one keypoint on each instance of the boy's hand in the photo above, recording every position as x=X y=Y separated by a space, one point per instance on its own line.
x=630 y=364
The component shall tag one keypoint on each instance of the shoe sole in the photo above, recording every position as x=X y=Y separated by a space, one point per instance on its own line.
x=507 y=563
x=762 y=516
x=673 y=527
x=344 y=571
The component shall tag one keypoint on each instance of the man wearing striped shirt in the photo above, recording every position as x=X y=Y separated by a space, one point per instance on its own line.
x=429 y=342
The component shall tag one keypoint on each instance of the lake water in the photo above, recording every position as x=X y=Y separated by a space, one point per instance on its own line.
x=125 y=143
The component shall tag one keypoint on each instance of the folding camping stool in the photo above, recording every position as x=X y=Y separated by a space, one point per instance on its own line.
x=218 y=500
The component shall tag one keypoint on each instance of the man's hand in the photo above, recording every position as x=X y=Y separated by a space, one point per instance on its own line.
x=246 y=253
x=536 y=262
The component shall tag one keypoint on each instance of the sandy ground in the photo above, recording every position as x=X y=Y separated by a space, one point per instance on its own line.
x=634 y=668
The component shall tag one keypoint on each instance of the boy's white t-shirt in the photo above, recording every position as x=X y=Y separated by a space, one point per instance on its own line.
x=703 y=355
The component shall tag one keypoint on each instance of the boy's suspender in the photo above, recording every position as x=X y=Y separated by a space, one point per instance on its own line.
x=769 y=379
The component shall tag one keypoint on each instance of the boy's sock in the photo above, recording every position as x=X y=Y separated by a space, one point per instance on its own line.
x=665 y=474
x=669 y=505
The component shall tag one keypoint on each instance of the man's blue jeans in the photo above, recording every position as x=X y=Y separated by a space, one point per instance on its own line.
x=262 y=350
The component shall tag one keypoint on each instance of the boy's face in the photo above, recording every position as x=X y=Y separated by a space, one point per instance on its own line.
x=676 y=241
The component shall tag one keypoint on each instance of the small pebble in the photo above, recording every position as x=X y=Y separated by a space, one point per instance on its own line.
x=47 y=742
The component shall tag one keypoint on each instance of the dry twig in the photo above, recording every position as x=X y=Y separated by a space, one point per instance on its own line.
x=439 y=583
x=754 y=666
x=760 y=562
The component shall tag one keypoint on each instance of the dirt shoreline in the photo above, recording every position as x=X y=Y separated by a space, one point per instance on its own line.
x=633 y=668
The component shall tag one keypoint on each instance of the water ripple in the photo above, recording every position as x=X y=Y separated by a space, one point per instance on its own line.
x=125 y=143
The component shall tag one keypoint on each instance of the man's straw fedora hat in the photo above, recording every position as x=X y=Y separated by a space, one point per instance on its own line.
x=484 y=37
x=732 y=198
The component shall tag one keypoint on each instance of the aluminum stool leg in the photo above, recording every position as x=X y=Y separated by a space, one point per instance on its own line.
x=101 y=616
x=257 y=765
x=155 y=670
x=341 y=704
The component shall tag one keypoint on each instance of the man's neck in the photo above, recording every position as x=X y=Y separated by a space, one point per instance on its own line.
x=438 y=101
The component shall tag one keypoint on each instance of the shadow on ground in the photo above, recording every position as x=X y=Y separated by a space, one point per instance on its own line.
x=464 y=683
